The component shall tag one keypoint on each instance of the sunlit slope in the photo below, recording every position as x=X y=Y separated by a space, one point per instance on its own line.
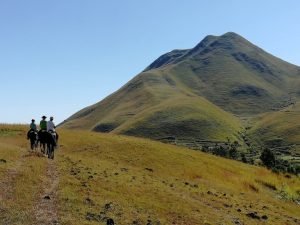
x=153 y=106
x=278 y=129
x=234 y=74
x=137 y=181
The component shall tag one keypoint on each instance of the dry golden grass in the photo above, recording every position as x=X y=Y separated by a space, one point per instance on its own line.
x=149 y=180
x=136 y=180
x=20 y=176
x=281 y=124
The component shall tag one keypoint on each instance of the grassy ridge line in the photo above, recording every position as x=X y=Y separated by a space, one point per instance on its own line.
x=282 y=127
x=152 y=106
x=284 y=123
x=176 y=117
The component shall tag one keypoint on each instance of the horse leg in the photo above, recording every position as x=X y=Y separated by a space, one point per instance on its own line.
x=44 y=148
x=31 y=144
x=51 y=151
x=48 y=149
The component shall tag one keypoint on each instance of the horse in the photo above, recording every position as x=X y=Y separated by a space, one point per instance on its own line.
x=33 y=137
x=47 y=143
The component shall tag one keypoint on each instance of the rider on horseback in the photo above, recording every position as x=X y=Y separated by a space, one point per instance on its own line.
x=51 y=129
x=32 y=128
x=43 y=123
x=43 y=127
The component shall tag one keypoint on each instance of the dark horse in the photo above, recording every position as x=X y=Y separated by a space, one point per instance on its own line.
x=33 y=137
x=47 y=143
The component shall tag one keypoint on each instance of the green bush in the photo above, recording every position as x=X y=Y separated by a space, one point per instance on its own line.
x=268 y=158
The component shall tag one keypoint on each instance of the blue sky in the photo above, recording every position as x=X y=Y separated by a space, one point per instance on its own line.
x=59 y=56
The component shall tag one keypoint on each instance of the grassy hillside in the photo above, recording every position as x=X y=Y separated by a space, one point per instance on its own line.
x=136 y=181
x=234 y=74
x=152 y=106
x=279 y=131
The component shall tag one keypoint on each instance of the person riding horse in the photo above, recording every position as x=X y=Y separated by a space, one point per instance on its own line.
x=43 y=134
x=46 y=140
x=46 y=136
x=51 y=129
x=32 y=135
x=43 y=124
x=33 y=128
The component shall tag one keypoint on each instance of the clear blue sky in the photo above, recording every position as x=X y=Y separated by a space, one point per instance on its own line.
x=59 y=56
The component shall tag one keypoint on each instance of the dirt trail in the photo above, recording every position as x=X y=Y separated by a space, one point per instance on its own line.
x=45 y=208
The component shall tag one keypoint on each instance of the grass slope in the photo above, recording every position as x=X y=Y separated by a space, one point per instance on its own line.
x=279 y=131
x=153 y=106
x=237 y=75
x=137 y=181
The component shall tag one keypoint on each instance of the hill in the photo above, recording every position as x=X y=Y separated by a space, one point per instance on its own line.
x=200 y=92
x=136 y=181
x=279 y=131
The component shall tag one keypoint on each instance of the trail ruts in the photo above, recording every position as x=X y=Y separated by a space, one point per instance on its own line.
x=45 y=208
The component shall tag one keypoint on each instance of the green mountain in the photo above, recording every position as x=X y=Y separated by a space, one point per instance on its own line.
x=234 y=74
x=199 y=96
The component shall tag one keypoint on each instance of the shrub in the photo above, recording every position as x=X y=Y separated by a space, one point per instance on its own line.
x=244 y=159
x=297 y=169
x=233 y=153
x=220 y=151
x=205 y=148
x=268 y=158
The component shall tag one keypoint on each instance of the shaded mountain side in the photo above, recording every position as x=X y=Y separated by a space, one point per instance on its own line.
x=197 y=93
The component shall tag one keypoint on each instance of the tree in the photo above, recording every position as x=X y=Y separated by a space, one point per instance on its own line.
x=233 y=153
x=268 y=158
x=244 y=159
x=205 y=148
x=220 y=151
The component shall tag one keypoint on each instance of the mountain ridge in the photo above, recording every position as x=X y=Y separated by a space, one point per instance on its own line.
x=215 y=43
x=206 y=42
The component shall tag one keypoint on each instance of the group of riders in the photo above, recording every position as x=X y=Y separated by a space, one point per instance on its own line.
x=46 y=135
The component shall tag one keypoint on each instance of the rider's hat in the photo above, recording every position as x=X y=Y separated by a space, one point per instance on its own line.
x=44 y=117
x=51 y=117
x=33 y=120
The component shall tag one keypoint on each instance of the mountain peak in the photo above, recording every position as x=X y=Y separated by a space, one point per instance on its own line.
x=227 y=36
x=228 y=41
x=233 y=37
x=231 y=34
x=211 y=42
